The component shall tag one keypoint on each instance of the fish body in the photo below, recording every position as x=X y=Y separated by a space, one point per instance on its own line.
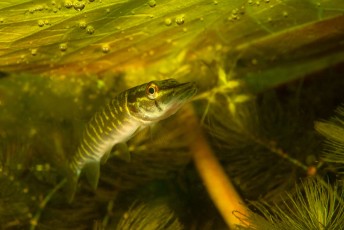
x=116 y=122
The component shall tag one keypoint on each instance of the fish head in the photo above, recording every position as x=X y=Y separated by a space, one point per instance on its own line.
x=157 y=100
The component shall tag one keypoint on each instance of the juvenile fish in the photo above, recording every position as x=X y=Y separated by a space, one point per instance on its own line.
x=116 y=122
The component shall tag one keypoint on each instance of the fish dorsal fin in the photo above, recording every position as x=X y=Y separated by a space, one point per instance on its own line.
x=92 y=171
x=122 y=152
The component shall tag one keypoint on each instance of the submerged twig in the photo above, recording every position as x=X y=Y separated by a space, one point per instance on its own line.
x=218 y=185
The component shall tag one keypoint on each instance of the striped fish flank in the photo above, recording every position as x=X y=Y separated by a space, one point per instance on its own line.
x=108 y=127
x=118 y=120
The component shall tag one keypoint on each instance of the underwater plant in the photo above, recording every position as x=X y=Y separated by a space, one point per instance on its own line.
x=244 y=153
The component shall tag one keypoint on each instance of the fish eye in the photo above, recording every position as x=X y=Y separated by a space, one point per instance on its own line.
x=152 y=91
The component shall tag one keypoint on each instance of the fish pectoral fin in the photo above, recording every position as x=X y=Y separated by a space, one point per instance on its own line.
x=139 y=130
x=122 y=152
x=92 y=171
x=106 y=156
x=153 y=129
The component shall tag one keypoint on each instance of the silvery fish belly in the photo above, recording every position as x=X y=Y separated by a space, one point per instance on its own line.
x=117 y=121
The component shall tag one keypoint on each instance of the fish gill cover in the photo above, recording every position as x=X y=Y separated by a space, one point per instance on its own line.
x=269 y=72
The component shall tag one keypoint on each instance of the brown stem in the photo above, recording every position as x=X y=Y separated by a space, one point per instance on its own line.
x=218 y=185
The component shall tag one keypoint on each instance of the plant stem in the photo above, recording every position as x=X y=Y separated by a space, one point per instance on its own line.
x=218 y=185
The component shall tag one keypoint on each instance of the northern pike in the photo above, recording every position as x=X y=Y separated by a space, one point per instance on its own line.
x=118 y=121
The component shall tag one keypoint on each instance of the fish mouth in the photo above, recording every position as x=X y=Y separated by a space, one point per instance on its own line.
x=179 y=95
x=184 y=91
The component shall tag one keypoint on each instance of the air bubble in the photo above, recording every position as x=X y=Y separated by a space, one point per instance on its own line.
x=168 y=21
x=90 y=29
x=34 y=52
x=63 y=47
x=39 y=8
x=233 y=18
x=68 y=4
x=235 y=15
x=82 y=24
x=180 y=20
x=285 y=14
x=235 y=11
x=40 y=23
x=105 y=48
x=79 y=5
x=152 y=3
